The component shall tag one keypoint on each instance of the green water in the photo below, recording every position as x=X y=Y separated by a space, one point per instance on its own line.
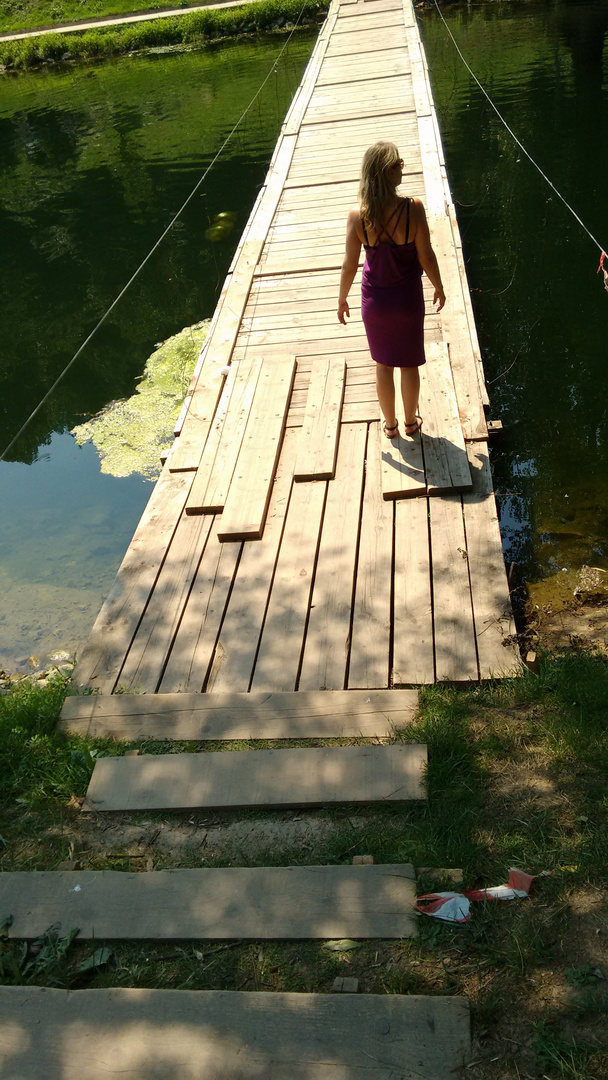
x=541 y=311
x=94 y=162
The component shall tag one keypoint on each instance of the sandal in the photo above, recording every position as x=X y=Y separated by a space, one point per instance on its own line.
x=413 y=429
x=391 y=432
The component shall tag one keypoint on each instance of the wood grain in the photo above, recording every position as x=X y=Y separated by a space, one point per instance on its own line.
x=225 y=1035
x=318 y=438
x=254 y=902
x=262 y=778
x=257 y=715
x=249 y=495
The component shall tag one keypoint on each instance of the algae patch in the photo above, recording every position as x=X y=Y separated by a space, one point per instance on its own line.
x=130 y=435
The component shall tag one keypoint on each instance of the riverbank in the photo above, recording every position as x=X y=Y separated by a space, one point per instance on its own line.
x=516 y=777
x=191 y=30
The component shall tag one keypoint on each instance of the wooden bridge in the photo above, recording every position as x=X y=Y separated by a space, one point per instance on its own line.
x=287 y=544
x=292 y=573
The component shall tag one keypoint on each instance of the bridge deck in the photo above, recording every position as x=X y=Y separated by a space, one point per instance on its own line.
x=287 y=544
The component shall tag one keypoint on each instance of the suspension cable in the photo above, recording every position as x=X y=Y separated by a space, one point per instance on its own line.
x=519 y=143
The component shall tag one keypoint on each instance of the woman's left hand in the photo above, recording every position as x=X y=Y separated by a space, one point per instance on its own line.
x=439 y=299
x=343 y=312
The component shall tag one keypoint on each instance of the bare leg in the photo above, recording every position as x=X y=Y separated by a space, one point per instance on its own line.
x=385 y=388
x=410 y=392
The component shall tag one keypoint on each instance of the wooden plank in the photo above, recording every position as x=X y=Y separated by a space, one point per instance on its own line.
x=412 y=609
x=376 y=40
x=445 y=457
x=456 y=332
x=194 y=644
x=433 y=181
x=468 y=304
x=420 y=86
x=374 y=20
x=371 y=631
x=187 y=452
x=254 y=902
x=299 y=105
x=385 y=64
x=236 y=649
x=494 y=623
x=46 y=1034
x=235 y=779
x=278 y=661
x=258 y=715
x=318 y=447
x=375 y=105
x=101 y=659
x=249 y=495
x=327 y=640
x=403 y=474
x=282 y=263
x=150 y=647
x=210 y=488
x=454 y=629
x=394 y=88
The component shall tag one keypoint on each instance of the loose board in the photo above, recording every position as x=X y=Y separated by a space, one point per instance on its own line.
x=258 y=715
x=224 y=1035
x=247 y=501
x=259 y=778
x=318 y=439
x=231 y=902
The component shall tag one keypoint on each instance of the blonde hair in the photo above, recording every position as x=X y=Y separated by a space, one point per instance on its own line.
x=376 y=187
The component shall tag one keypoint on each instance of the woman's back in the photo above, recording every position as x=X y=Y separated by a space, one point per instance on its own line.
x=397 y=225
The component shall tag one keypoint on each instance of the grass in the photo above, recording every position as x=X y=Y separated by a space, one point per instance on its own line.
x=516 y=777
x=193 y=29
x=16 y=15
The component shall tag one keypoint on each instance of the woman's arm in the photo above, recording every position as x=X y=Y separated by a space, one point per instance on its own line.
x=426 y=255
x=351 y=262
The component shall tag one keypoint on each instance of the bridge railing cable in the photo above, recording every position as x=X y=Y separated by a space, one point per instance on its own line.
x=520 y=144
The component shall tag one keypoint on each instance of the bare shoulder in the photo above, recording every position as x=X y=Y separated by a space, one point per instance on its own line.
x=418 y=211
x=354 y=216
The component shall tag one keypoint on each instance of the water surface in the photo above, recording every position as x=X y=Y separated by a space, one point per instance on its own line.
x=541 y=311
x=94 y=161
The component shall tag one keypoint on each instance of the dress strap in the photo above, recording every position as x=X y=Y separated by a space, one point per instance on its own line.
x=391 y=236
x=407 y=219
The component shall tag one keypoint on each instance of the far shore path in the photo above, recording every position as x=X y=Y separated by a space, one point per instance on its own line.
x=121 y=20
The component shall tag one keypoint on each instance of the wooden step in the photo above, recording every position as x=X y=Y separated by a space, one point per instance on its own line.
x=259 y=778
x=221 y=1035
x=305 y=715
x=233 y=902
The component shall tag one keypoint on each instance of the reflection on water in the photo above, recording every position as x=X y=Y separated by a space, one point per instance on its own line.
x=94 y=162
x=541 y=310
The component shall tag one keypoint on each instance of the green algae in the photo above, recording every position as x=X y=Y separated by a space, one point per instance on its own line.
x=130 y=435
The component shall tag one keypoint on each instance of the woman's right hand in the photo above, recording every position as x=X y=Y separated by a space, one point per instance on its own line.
x=343 y=312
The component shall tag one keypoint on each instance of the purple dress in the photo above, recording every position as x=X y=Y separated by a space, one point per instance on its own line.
x=392 y=304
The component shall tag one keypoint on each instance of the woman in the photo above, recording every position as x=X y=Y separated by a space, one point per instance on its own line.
x=395 y=234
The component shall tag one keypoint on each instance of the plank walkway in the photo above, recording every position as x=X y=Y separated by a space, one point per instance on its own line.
x=288 y=545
